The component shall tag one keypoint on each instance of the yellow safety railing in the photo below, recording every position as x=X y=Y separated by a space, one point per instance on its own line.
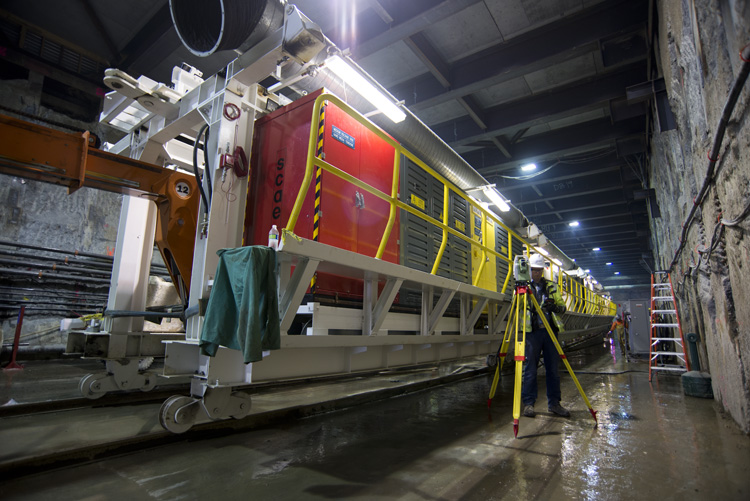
x=392 y=198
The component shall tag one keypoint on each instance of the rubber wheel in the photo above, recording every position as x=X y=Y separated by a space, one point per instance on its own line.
x=168 y=414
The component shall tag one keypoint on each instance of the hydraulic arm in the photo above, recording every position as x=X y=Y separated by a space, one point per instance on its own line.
x=37 y=152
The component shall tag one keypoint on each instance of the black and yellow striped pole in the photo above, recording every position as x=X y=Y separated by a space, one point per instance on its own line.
x=318 y=189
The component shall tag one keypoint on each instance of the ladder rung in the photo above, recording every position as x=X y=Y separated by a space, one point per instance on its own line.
x=673 y=339
x=662 y=286
x=665 y=325
x=677 y=369
x=667 y=353
x=663 y=298
x=663 y=311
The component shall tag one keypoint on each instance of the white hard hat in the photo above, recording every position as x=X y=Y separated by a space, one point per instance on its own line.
x=537 y=261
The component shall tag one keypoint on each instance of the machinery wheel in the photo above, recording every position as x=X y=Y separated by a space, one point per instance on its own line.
x=491 y=360
x=145 y=363
x=168 y=414
x=150 y=382
x=89 y=386
x=244 y=407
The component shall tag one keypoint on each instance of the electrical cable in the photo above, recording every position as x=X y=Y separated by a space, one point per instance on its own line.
x=530 y=176
x=713 y=157
x=561 y=161
x=610 y=373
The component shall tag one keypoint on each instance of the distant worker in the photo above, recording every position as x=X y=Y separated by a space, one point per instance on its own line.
x=539 y=342
x=618 y=327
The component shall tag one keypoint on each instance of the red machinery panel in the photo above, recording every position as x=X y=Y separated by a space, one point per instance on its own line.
x=350 y=218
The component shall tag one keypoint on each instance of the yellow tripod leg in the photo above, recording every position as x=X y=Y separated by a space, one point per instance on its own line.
x=502 y=352
x=519 y=358
x=563 y=357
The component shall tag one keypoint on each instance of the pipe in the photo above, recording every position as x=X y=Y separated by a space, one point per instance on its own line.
x=144 y=314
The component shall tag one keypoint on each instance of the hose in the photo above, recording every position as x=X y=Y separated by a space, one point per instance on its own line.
x=195 y=167
x=207 y=166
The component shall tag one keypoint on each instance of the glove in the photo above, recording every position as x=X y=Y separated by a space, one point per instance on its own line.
x=549 y=305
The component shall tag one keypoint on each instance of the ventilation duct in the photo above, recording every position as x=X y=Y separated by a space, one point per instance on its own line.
x=208 y=26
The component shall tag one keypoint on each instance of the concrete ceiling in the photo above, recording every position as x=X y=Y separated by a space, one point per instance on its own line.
x=564 y=84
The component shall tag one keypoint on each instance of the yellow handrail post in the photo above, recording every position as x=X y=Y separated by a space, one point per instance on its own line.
x=392 y=213
x=483 y=246
x=444 y=243
x=311 y=150
x=510 y=262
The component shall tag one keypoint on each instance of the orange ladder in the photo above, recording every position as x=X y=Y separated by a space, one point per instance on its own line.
x=666 y=330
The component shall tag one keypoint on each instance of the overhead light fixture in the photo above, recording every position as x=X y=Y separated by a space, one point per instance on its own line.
x=617 y=273
x=354 y=79
x=573 y=224
x=495 y=198
x=528 y=167
x=596 y=249
x=608 y=264
x=587 y=271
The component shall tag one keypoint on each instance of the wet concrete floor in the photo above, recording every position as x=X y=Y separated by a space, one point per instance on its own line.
x=442 y=443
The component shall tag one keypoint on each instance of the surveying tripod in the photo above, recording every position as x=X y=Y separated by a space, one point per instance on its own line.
x=522 y=294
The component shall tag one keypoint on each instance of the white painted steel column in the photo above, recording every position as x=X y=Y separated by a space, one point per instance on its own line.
x=132 y=263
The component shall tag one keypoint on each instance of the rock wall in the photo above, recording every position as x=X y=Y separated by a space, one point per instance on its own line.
x=698 y=48
x=45 y=215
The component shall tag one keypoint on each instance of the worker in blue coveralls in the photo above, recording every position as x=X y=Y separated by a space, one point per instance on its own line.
x=539 y=342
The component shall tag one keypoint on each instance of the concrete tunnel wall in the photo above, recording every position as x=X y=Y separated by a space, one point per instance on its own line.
x=699 y=55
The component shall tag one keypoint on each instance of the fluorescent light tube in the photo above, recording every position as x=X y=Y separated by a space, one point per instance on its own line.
x=367 y=90
x=496 y=199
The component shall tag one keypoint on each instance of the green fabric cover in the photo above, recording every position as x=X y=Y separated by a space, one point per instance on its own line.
x=243 y=309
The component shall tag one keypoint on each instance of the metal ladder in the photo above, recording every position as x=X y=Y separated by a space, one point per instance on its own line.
x=665 y=328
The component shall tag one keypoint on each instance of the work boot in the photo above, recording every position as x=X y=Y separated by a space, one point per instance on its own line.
x=559 y=410
x=528 y=410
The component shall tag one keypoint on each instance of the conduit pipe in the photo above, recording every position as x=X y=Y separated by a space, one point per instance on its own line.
x=713 y=157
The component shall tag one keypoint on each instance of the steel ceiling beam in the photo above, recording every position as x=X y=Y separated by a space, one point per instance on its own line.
x=569 y=195
x=388 y=35
x=424 y=50
x=556 y=143
x=556 y=104
x=573 y=36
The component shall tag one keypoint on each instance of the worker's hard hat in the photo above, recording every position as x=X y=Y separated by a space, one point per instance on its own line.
x=537 y=261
